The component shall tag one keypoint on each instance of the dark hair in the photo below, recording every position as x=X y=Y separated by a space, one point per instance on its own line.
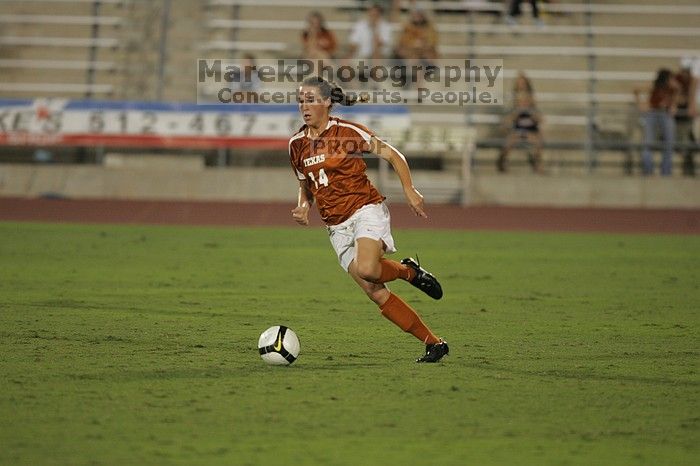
x=663 y=76
x=423 y=19
x=329 y=89
x=377 y=6
x=321 y=19
x=528 y=83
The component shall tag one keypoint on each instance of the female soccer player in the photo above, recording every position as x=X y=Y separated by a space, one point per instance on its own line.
x=326 y=155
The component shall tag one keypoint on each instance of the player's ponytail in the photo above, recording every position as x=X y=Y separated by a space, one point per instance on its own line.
x=338 y=96
x=329 y=89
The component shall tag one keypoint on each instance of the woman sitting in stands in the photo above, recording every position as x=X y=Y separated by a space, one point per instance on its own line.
x=318 y=41
x=417 y=44
x=659 y=115
x=523 y=125
x=418 y=39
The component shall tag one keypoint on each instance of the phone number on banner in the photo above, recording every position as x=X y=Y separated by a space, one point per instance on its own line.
x=69 y=123
x=129 y=124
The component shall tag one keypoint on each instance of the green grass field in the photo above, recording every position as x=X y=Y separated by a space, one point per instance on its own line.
x=138 y=345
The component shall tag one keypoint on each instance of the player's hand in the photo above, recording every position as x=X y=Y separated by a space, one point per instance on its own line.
x=415 y=201
x=301 y=214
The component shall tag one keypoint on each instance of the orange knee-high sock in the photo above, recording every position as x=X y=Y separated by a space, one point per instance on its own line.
x=391 y=270
x=401 y=314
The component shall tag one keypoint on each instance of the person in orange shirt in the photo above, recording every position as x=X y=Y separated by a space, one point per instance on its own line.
x=326 y=156
x=318 y=41
x=418 y=39
x=417 y=45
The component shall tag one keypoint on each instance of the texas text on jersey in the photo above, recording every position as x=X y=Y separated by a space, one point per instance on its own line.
x=333 y=166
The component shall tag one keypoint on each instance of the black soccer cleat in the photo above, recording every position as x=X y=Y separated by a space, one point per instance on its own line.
x=424 y=281
x=434 y=352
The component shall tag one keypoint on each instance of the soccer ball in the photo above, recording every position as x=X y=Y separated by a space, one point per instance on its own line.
x=279 y=346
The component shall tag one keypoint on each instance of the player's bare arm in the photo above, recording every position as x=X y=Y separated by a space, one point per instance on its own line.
x=398 y=162
x=304 y=200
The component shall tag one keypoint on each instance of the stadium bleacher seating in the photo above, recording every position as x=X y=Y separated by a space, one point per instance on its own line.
x=583 y=62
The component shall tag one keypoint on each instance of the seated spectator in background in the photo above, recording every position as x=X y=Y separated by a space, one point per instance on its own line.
x=514 y=12
x=659 y=114
x=523 y=125
x=418 y=39
x=686 y=113
x=371 y=36
x=318 y=41
x=417 y=44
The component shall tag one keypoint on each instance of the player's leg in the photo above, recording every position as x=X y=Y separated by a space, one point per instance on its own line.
x=394 y=308
x=534 y=138
x=649 y=138
x=372 y=267
x=377 y=292
x=510 y=141
x=668 y=126
x=372 y=233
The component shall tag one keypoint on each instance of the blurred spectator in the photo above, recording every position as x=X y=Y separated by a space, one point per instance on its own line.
x=418 y=39
x=686 y=113
x=659 y=115
x=417 y=44
x=523 y=125
x=371 y=37
x=514 y=12
x=318 y=41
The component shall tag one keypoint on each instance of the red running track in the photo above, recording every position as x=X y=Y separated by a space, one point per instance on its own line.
x=673 y=221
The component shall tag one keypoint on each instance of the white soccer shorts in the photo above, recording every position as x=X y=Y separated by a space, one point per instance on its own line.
x=370 y=221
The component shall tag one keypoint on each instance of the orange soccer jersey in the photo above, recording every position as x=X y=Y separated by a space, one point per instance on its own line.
x=334 y=168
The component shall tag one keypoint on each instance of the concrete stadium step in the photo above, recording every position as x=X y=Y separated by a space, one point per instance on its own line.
x=62 y=8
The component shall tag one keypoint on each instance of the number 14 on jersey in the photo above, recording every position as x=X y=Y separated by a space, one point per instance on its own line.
x=322 y=178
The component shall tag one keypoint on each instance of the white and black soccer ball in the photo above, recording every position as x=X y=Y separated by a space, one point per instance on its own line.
x=279 y=346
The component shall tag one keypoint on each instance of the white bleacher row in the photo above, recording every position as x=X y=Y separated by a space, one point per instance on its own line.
x=470 y=5
x=583 y=75
x=242 y=45
x=498 y=50
x=80 y=42
x=67 y=88
x=609 y=8
x=58 y=64
x=299 y=25
x=533 y=51
x=492 y=119
x=66 y=20
x=112 y=2
x=460 y=50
